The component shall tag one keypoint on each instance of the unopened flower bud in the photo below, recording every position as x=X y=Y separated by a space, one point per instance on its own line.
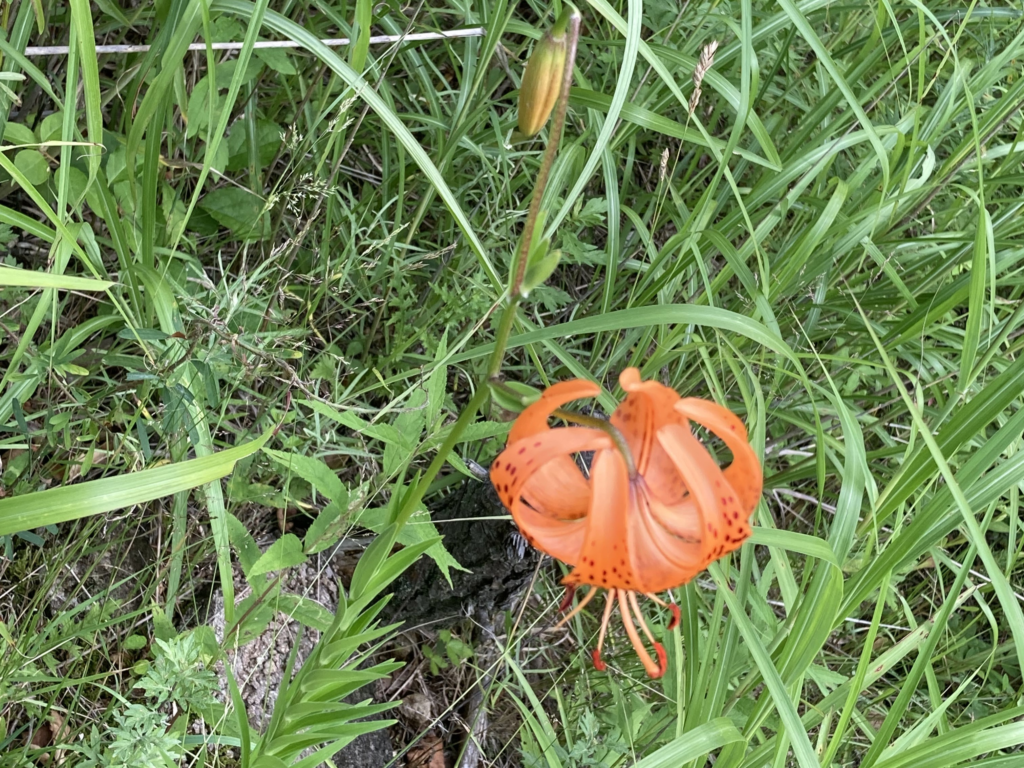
x=542 y=80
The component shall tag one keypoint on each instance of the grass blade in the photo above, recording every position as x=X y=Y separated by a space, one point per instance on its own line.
x=95 y=497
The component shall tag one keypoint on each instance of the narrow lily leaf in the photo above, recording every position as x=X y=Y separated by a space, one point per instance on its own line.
x=712 y=735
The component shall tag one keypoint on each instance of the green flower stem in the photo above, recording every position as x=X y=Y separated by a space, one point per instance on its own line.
x=412 y=501
x=557 y=123
x=465 y=418
x=508 y=317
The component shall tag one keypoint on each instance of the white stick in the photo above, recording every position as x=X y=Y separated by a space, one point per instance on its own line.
x=62 y=50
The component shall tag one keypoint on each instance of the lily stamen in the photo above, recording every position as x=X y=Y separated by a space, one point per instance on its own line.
x=596 y=655
x=579 y=607
x=659 y=649
x=670 y=606
x=654 y=670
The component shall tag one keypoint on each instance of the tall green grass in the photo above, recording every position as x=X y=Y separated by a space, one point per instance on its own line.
x=830 y=243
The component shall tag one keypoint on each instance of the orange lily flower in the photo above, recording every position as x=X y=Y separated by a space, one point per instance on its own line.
x=655 y=510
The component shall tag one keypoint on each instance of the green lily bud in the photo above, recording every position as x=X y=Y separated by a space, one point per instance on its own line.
x=542 y=80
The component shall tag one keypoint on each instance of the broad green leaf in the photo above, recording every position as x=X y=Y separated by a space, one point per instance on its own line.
x=283 y=553
x=409 y=424
x=244 y=544
x=268 y=761
x=327 y=529
x=33 y=165
x=17 y=133
x=237 y=209
x=370 y=562
x=308 y=612
x=277 y=60
x=313 y=471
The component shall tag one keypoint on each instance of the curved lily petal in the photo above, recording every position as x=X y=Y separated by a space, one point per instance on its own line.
x=647 y=407
x=721 y=514
x=662 y=398
x=535 y=417
x=744 y=474
x=559 y=490
x=603 y=560
x=664 y=559
x=513 y=474
x=562 y=539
